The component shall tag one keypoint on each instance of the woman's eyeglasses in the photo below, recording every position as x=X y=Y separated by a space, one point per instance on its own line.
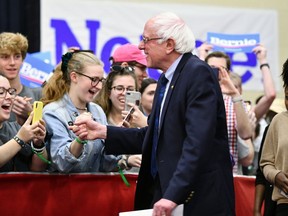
x=11 y=91
x=119 y=89
x=94 y=80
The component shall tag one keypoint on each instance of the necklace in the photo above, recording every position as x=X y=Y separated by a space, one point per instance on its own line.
x=83 y=109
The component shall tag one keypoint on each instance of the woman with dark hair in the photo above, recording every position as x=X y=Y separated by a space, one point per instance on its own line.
x=112 y=96
x=112 y=100
x=274 y=158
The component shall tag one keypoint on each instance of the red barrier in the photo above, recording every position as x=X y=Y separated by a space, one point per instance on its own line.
x=244 y=187
x=86 y=194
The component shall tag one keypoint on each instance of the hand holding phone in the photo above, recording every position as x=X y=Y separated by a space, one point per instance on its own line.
x=37 y=111
x=128 y=116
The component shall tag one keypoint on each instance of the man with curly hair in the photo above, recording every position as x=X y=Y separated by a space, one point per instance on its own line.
x=13 y=50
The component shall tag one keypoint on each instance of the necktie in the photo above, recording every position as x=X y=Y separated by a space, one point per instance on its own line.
x=163 y=81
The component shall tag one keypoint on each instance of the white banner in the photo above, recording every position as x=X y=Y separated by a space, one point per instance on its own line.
x=102 y=26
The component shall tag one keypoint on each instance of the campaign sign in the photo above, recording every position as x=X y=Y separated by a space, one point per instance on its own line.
x=34 y=71
x=44 y=56
x=232 y=42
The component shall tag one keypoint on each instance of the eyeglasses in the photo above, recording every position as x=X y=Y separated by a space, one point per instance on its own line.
x=11 y=91
x=120 y=89
x=119 y=68
x=94 y=80
x=147 y=39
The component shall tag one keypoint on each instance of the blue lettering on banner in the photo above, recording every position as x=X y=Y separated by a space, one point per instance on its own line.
x=34 y=71
x=250 y=62
x=233 y=42
x=65 y=36
x=93 y=26
x=107 y=50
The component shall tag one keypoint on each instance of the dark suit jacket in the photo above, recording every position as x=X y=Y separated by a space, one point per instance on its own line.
x=192 y=155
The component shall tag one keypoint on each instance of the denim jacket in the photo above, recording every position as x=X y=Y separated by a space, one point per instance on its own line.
x=58 y=115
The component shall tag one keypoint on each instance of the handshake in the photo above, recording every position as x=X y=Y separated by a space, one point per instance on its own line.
x=88 y=129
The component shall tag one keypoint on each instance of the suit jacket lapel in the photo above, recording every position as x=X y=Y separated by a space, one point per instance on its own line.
x=172 y=85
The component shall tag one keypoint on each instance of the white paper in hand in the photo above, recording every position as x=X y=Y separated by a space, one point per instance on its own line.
x=178 y=211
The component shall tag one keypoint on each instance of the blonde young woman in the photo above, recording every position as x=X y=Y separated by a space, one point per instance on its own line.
x=67 y=94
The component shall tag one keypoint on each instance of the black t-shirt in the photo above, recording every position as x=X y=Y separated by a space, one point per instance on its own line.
x=21 y=161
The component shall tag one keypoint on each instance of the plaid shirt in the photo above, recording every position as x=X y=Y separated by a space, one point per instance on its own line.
x=232 y=131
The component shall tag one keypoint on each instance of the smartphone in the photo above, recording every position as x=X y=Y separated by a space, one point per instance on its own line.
x=132 y=97
x=128 y=116
x=37 y=111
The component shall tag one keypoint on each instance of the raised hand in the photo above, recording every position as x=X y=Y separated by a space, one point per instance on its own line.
x=261 y=53
x=226 y=84
x=137 y=118
x=35 y=131
x=203 y=50
x=40 y=135
x=21 y=107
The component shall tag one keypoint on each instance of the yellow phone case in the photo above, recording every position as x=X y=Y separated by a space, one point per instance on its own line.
x=37 y=111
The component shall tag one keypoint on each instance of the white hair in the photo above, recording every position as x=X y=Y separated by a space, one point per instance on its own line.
x=169 y=25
